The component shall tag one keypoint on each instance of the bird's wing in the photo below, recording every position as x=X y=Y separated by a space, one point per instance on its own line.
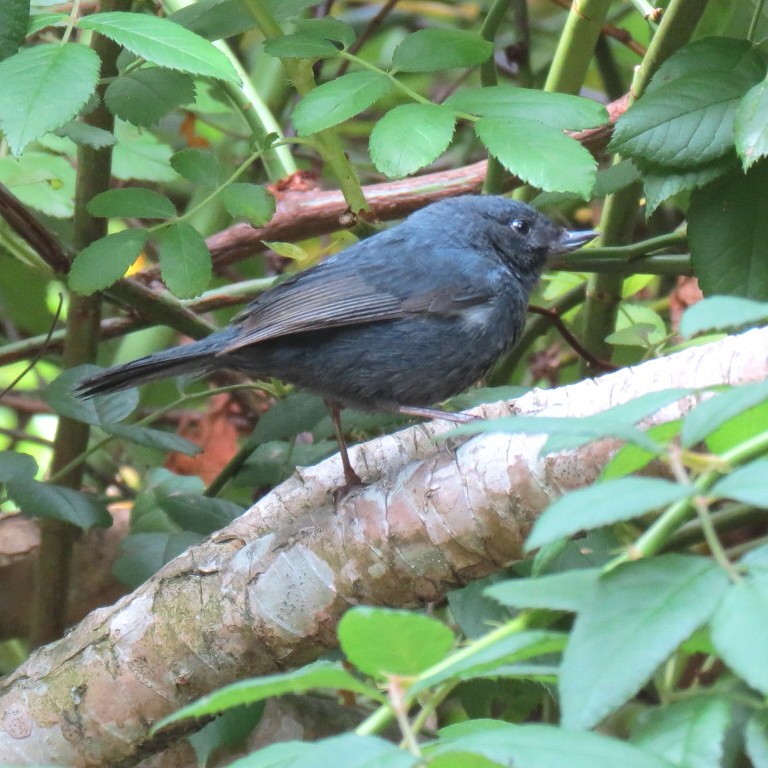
x=340 y=293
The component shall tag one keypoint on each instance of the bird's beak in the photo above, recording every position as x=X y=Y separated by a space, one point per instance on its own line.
x=571 y=239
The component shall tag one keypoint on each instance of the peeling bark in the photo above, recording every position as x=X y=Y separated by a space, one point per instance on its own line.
x=266 y=593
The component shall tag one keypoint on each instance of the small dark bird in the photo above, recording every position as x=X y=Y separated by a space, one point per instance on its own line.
x=397 y=322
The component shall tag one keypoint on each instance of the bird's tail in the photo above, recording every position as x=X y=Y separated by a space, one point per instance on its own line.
x=196 y=358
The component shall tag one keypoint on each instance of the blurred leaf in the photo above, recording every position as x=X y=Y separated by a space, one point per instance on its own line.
x=748 y=484
x=300 y=45
x=15 y=14
x=86 y=135
x=58 y=503
x=329 y=28
x=738 y=430
x=151 y=438
x=215 y=19
x=105 y=261
x=287 y=9
x=740 y=620
x=409 y=137
x=568 y=591
x=538 y=154
x=185 y=261
x=729 y=250
x=41 y=181
x=42 y=88
x=40 y=21
x=632 y=458
x=253 y=202
x=757 y=739
x=230 y=729
x=16 y=465
x=381 y=642
x=474 y=612
x=200 y=166
x=430 y=50
x=274 y=460
x=140 y=155
x=144 y=554
x=163 y=43
x=718 y=313
x=143 y=96
x=199 y=514
x=131 y=202
x=338 y=100
x=750 y=125
x=296 y=413
x=639 y=613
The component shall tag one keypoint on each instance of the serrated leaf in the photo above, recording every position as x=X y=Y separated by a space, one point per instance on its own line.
x=105 y=261
x=740 y=620
x=720 y=313
x=131 y=202
x=200 y=166
x=708 y=415
x=57 y=503
x=152 y=438
x=430 y=50
x=321 y=675
x=639 y=613
x=102 y=410
x=726 y=233
x=185 y=261
x=338 y=100
x=567 y=591
x=603 y=504
x=688 y=120
x=751 y=125
x=381 y=642
x=144 y=95
x=16 y=465
x=660 y=183
x=88 y=135
x=409 y=137
x=15 y=15
x=143 y=554
x=541 y=746
x=689 y=732
x=556 y=110
x=251 y=201
x=163 y=43
x=539 y=155
x=300 y=45
x=42 y=88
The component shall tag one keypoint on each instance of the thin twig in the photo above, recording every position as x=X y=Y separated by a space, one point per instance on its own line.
x=373 y=25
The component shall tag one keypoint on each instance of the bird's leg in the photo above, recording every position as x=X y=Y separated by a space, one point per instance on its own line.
x=435 y=413
x=350 y=476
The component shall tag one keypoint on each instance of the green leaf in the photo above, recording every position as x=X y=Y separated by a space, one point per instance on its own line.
x=740 y=620
x=40 y=21
x=143 y=96
x=105 y=261
x=185 y=260
x=300 y=45
x=163 y=43
x=321 y=675
x=726 y=233
x=748 y=484
x=197 y=513
x=283 y=10
x=230 y=729
x=409 y=137
x=381 y=642
x=131 y=202
x=284 y=754
x=538 y=154
x=430 y=50
x=140 y=155
x=41 y=181
x=338 y=100
x=200 y=166
x=215 y=19
x=660 y=182
x=144 y=554
x=152 y=438
x=494 y=659
x=603 y=504
x=473 y=612
x=708 y=415
x=556 y=110
x=42 y=88
x=757 y=739
x=631 y=458
x=720 y=313
x=568 y=591
x=251 y=201
x=690 y=732
x=16 y=465
x=738 y=430
x=688 y=120
x=329 y=28
x=99 y=411
x=87 y=135
x=542 y=746
x=751 y=125
x=299 y=412
x=639 y=613
x=15 y=15
x=57 y=503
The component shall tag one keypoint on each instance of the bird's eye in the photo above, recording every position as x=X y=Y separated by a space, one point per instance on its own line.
x=521 y=226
